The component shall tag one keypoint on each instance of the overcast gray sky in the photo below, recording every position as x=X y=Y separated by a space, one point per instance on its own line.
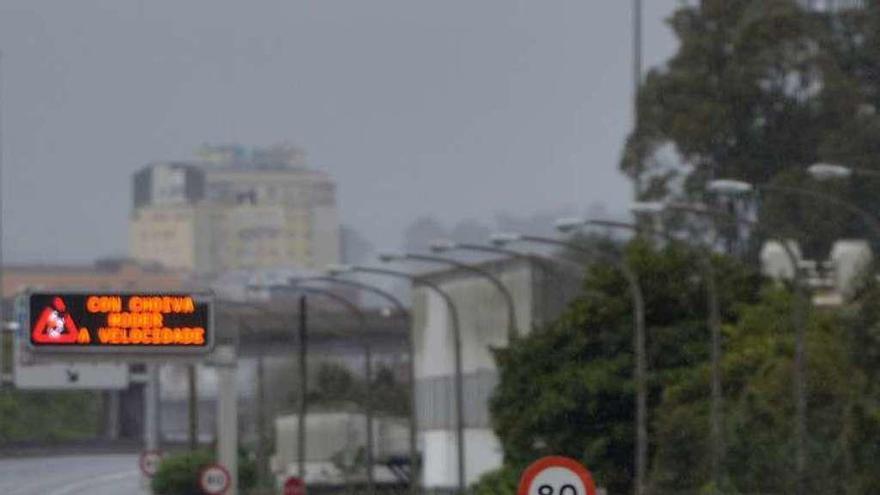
x=453 y=108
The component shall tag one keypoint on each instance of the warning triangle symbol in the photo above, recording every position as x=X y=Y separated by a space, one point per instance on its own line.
x=55 y=325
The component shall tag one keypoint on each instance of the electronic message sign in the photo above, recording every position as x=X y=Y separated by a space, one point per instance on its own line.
x=120 y=323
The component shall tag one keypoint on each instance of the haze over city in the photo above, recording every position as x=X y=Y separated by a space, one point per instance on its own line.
x=415 y=108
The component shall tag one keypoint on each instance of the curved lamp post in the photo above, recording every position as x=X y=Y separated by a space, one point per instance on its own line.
x=800 y=306
x=714 y=322
x=368 y=370
x=545 y=262
x=802 y=302
x=456 y=337
x=493 y=279
x=402 y=310
x=638 y=300
x=819 y=171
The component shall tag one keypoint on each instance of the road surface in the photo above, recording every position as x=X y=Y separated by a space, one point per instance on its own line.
x=115 y=474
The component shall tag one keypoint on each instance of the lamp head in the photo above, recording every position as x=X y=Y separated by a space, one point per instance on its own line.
x=335 y=269
x=442 y=245
x=569 y=224
x=504 y=238
x=389 y=257
x=729 y=186
x=828 y=171
x=647 y=207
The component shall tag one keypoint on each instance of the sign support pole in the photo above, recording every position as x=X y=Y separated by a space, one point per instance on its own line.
x=303 y=384
x=151 y=408
x=227 y=414
x=193 y=403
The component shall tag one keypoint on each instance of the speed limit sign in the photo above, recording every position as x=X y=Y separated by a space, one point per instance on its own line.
x=214 y=479
x=149 y=462
x=556 y=475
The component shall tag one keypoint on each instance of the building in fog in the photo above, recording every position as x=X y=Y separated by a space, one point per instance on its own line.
x=106 y=274
x=539 y=294
x=235 y=209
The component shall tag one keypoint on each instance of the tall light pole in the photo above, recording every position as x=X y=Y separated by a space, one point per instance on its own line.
x=637 y=9
x=456 y=336
x=801 y=305
x=716 y=414
x=738 y=187
x=368 y=371
x=403 y=311
x=640 y=373
x=512 y=326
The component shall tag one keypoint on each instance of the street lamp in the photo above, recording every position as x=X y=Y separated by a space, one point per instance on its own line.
x=456 y=337
x=402 y=310
x=368 y=370
x=729 y=187
x=545 y=262
x=714 y=321
x=802 y=301
x=493 y=279
x=638 y=300
x=827 y=171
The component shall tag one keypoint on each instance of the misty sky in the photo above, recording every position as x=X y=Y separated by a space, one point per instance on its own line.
x=454 y=108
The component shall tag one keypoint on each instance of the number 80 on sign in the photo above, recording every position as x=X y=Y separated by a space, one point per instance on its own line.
x=556 y=475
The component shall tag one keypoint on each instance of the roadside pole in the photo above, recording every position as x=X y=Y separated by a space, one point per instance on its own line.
x=227 y=414
x=151 y=415
x=193 y=406
x=151 y=408
x=303 y=385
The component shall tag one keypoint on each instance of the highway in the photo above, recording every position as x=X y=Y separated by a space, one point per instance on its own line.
x=114 y=474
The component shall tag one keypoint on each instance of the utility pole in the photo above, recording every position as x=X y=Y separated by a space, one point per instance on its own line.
x=192 y=381
x=151 y=408
x=303 y=384
x=637 y=81
x=227 y=413
x=2 y=299
x=262 y=461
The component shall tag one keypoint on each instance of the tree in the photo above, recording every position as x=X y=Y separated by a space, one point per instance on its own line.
x=336 y=385
x=567 y=389
x=758 y=373
x=48 y=416
x=759 y=90
x=178 y=474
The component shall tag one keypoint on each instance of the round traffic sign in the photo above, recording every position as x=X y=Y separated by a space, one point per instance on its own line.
x=556 y=475
x=149 y=462
x=294 y=486
x=214 y=479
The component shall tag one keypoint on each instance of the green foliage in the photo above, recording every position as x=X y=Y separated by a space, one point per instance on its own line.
x=49 y=416
x=502 y=481
x=337 y=385
x=757 y=91
x=757 y=370
x=568 y=389
x=178 y=474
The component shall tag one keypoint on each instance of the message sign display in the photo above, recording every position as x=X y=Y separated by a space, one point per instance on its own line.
x=120 y=322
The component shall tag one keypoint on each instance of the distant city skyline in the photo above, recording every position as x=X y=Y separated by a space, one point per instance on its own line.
x=454 y=110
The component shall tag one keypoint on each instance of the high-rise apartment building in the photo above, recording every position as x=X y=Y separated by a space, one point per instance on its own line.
x=235 y=208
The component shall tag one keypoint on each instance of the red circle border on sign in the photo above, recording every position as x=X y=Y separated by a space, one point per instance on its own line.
x=221 y=468
x=543 y=463
x=143 y=457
